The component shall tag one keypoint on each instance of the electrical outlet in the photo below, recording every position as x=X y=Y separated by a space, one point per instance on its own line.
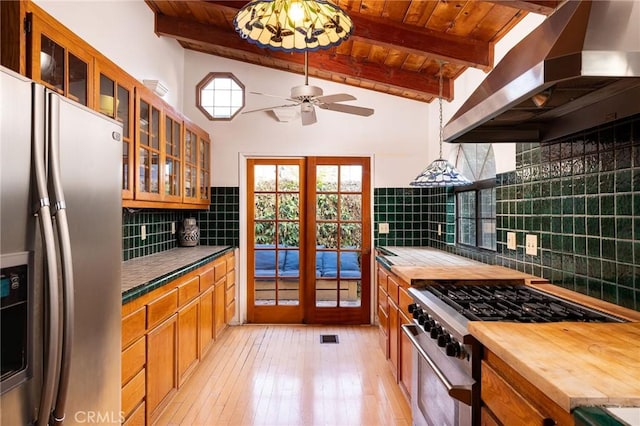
x=439 y=229
x=511 y=240
x=383 y=228
x=531 y=244
x=143 y=232
x=173 y=228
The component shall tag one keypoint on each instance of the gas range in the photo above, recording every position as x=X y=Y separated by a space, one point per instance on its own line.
x=439 y=333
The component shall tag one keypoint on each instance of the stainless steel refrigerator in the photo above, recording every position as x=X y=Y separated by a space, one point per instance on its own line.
x=60 y=256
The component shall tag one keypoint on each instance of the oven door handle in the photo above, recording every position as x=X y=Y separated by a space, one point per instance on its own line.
x=460 y=385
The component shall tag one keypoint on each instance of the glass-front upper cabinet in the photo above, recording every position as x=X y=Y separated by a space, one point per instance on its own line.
x=204 y=169
x=148 y=153
x=56 y=64
x=114 y=98
x=190 y=165
x=172 y=181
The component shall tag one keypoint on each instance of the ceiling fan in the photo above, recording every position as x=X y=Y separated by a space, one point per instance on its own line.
x=308 y=97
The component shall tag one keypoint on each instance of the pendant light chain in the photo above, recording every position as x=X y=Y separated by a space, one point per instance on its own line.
x=440 y=137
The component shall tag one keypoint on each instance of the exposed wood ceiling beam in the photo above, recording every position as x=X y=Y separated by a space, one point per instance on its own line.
x=190 y=31
x=416 y=40
x=543 y=7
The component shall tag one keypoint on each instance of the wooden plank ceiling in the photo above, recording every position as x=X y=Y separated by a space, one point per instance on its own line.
x=394 y=49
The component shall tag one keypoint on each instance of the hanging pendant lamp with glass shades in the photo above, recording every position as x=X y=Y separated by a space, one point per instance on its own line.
x=440 y=173
x=293 y=25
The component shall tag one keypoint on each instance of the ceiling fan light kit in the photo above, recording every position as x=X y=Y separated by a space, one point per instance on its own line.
x=293 y=25
x=440 y=173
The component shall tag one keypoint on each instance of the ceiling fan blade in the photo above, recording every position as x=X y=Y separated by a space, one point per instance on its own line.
x=349 y=109
x=338 y=97
x=308 y=115
x=270 y=108
x=272 y=96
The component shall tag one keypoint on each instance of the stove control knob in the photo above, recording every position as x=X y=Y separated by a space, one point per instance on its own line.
x=453 y=349
x=429 y=324
x=412 y=307
x=444 y=339
x=417 y=312
x=436 y=331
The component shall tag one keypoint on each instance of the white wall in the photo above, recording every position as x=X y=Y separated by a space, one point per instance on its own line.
x=123 y=31
x=402 y=135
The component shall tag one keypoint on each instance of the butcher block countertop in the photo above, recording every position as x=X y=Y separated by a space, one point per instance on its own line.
x=575 y=364
x=418 y=264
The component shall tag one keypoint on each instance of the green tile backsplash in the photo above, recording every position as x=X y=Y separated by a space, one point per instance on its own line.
x=581 y=196
x=220 y=225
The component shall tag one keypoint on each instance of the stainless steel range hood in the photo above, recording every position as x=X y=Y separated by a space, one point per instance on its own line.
x=582 y=67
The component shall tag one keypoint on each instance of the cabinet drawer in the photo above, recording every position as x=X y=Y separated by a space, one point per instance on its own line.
x=133 y=392
x=133 y=326
x=162 y=308
x=230 y=295
x=231 y=278
x=231 y=263
x=392 y=289
x=220 y=268
x=383 y=302
x=188 y=290
x=206 y=279
x=382 y=278
x=506 y=403
x=383 y=319
x=404 y=301
x=230 y=311
x=137 y=417
x=133 y=359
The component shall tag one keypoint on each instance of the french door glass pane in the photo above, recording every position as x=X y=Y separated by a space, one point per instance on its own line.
x=351 y=207
x=327 y=235
x=350 y=178
x=326 y=206
x=78 y=72
x=327 y=178
x=265 y=232
x=265 y=178
x=289 y=234
x=288 y=178
x=288 y=206
x=350 y=235
x=265 y=206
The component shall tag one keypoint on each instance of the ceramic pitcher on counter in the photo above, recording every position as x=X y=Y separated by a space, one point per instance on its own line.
x=189 y=233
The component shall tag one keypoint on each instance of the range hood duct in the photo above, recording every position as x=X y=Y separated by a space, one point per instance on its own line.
x=580 y=68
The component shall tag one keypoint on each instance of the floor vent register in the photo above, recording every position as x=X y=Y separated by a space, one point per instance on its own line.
x=328 y=338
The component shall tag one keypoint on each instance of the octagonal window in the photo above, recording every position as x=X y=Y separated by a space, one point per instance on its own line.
x=220 y=96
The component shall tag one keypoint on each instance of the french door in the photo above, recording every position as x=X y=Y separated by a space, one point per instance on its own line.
x=309 y=240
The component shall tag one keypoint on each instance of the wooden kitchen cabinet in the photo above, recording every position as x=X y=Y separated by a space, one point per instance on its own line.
x=154 y=140
x=508 y=398
x=165 y=334
x=115 y=98
x=393 y=302
x=162 y=357
x=58 y=60
x=206 y=326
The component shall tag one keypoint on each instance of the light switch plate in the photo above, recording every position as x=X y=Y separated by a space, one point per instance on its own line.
x=173 y=228
x=439 y=229
x=531 y=244
x=383 y=228
x=511 y=240
x=143 y=232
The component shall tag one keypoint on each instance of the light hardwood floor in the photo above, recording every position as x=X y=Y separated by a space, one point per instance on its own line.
x=282 y=375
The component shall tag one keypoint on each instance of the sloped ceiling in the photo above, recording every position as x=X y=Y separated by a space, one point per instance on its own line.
x=395 y=48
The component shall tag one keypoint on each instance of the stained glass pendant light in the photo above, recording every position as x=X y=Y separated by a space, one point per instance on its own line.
x=440 y=173
x=293 y=25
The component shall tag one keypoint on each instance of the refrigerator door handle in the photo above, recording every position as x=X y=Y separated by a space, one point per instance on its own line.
x=52 y=322
x=64 y=245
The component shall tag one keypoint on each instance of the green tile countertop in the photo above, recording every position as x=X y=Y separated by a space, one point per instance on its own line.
x=419 y=256
x=144 y=274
